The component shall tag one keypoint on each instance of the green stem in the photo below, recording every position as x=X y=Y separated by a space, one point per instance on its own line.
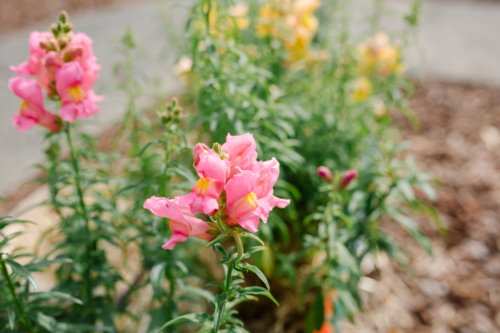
x=89 y=246
x=20 y=308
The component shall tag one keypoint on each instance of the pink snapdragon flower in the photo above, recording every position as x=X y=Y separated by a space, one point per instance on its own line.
x=182 y=222
x=250 y=195
x=206 y=191
x=80 y=49
x=76 y=101
x=241 y=151
x=35 y=65
x=32 y=111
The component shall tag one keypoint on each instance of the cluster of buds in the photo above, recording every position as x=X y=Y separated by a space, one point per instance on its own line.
x=172 y=114
x=298 y=20
x=63 y=64
x=234 y=189
x=379 y=56
x=327 y=175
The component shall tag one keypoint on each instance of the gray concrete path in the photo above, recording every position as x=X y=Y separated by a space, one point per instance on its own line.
x=461 y=42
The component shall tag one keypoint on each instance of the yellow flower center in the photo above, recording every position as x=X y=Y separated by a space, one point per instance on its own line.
x=76 y=94
x=251 y=198
x=23 y=105
x=202 y=186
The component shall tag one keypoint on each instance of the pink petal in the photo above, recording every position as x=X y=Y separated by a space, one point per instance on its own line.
x=29 y=90
x=69 y=76
x=239 y=186
x=176 y=238
x=212 y=167
x=241 y=151
x=22 y=123
x=69 y=112
x=268 y=176
x=199 y=149
x=22 y=69
x=164 y=207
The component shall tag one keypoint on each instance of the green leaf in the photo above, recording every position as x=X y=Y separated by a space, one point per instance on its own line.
x=57 y=295
x=12 y=317
x=347 y=300
x=257 y=271
x=197 y=318
x=316 y=314
x=41 y=264
x=346 y=259
x=405 y=188
x=217 y=284
x=252 y=236
x=156 y=277
x=220 y=304
x=258 y=291
x=46 y=322
x=199 y=292
x=149 y=144
x=217 y=240
x=412 y=228
x=20 y=270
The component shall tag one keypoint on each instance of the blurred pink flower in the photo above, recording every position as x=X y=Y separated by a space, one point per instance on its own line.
x=241 y=151
x=325 y=173
x=206 y=191
x=183 y=223
x=32 y=111
x=35 y=65
x=250 y=195
x=348 y=177
x=80 y=49
x=76 y=101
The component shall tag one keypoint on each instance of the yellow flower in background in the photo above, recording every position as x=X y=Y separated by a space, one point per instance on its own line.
x=292 y=21
x=239 y=13
x=362 y=89
x=271 y=15
x=379 y=56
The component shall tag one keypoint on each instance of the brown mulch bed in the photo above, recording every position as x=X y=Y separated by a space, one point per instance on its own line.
x=459 y=289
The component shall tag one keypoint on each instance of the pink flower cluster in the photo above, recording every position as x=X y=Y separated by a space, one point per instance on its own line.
x=66 y=70
x=234 y=174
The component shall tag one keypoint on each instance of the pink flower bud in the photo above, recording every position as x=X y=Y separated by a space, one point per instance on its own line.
x=325 y=173
x=53 y=59
x=348 y=177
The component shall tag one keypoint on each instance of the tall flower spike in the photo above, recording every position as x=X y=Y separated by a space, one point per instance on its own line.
x=32 y=111
x=183 y=223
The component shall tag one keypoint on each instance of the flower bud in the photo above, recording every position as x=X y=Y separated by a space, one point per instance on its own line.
x=53 y=59
x=325 y=173
x=74 y=52
x=63 y=17
x=348 y=177
x=47 y=45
